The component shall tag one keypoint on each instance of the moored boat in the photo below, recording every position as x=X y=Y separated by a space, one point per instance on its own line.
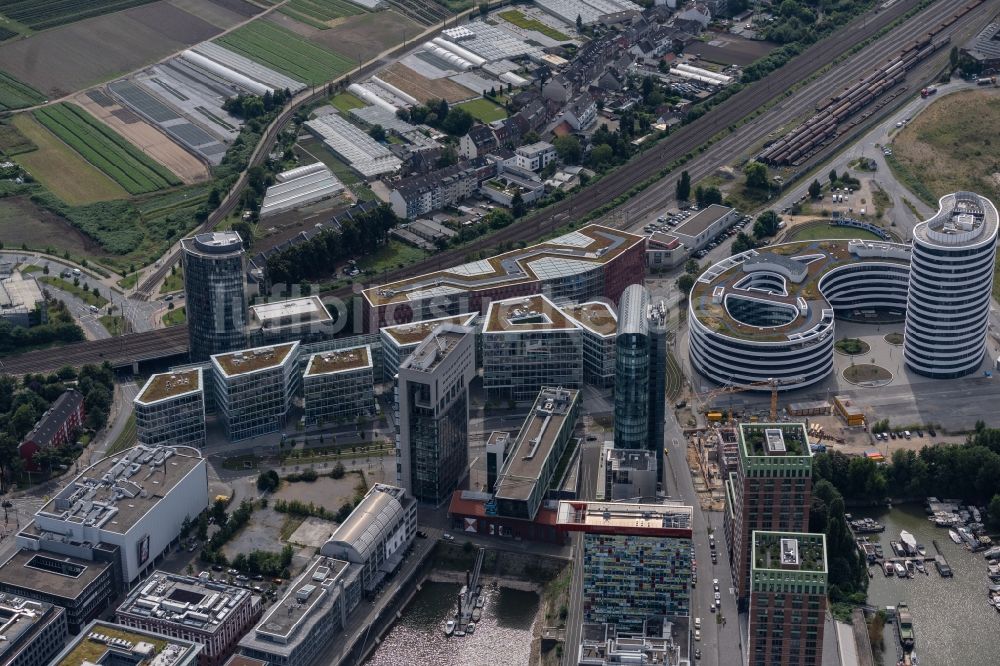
x=900 y=569
x=921 y=549
x=904 y=621
x=477 y=614
x=953 y=535
x=888 y=568
x=908 y=542
x=471 y=628
x=449 y=627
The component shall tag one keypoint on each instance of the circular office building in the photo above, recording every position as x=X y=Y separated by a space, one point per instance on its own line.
x=951 y=279
x=769 y=314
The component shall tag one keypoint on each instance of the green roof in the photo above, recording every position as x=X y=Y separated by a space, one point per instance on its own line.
x=774 y=440
x=789 y=551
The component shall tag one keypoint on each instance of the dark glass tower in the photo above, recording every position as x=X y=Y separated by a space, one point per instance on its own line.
x=215 y=297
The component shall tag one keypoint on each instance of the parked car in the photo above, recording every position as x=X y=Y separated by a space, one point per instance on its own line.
x=421 y=534
x=447 y=537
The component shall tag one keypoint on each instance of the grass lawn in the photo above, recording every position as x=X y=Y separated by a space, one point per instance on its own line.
x=522 y=21
x=345 y=101
x=31 y=269
x=60 y=169
x=174 y=317
x=390 y=256
x=944 y=149
x=894 y=338
x=286 y=52
x=484 y=110
x=128 y=281
x=87 y=297
x=174 y=282
x=114 y=324
x=852 y=346
x=822 y=230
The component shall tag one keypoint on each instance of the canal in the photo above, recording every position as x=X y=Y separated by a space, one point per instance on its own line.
x=952 y=620
x=502 y=638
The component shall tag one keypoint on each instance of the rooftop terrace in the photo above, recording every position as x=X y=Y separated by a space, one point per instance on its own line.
x=341 y=360
x=594 y=316
x=963 y=218
x=530 y=313
x=126 y=646
x=245 y=361
x=570 y=254
x=170 y=385
x=774 y=439
x=410 y=334
x=789 y=550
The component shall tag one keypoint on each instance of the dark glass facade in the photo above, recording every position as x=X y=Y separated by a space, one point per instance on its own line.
x=438 y=444
x=216 y=302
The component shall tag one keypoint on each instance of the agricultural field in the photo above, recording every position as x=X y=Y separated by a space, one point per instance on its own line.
x=363 y=36
x=222 y=14
x=72 y=57
x=521 y=21
x=13 y=142
x=17 y=95
x=317 y=13
x=285 y=52
x=105 y=149
x=64 y=172
x=944 y=149
x=484 y=110
x=44 y=14
x=423 y=88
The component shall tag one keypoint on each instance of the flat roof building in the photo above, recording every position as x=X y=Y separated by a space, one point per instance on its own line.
x=210 y=613
x=254 y=388
x=636 y=561
x=592 y=262
x=602 y=644
x=215 y=294
x=170 y=409
x=21 y=301
x=400 y=340
x=32 y=631
x=626 y=474
x=698 y=230
x=304 y=319
x=339 y=385
x=107 y=644
x=377 y=534
x=598 y=324
x=788 y=588
x=528 y=343
x=298 y=628
x=538 y=448
x=432 y=403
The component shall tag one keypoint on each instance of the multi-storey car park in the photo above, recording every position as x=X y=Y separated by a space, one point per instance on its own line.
x=589 y=263
x=951 y=279
x=769 y=314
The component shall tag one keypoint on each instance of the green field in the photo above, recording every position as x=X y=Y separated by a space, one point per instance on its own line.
x=484 y=110
x=286 y=52
x=173 y=282
x=522 y=21
x=17 y=95
x=345 y=101
x=105 y=149
x=317 y=12
x=175 y=317
x=13 y=141
x=44 y=14
x=822 y=230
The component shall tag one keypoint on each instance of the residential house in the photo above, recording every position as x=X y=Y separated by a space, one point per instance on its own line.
x=419 y=195
x=558 y=89
x=581 y=112
x=478 y=141
x=536 y=156
x=54 y=428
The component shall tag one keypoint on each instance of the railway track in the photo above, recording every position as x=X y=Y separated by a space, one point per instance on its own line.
x=690 y=137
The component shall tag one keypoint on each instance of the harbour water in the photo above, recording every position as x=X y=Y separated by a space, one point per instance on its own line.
x=952 y=621
x=502 y=637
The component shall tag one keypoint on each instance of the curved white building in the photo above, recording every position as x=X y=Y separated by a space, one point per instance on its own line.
x=764 y=315
x=951 y=279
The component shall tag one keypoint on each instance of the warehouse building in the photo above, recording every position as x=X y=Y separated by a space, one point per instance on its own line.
x=376 y=535
x=339 y=385
x=254 y=388
x=210 y=613
x=31 y=631
x=698 y=230
x=170 y=409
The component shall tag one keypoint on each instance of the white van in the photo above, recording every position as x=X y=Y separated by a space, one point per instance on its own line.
x=697 y=623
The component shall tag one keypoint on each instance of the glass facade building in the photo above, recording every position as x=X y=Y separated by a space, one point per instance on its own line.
x=254 y=388
x=339 y=385
x=215 y=295
x=170 y=409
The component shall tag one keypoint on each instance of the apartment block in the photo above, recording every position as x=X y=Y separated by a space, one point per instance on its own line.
x=254 y=388
x=170 y=409
x=339 y=385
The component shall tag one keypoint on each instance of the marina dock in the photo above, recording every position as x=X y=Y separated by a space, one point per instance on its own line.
x=469 y=597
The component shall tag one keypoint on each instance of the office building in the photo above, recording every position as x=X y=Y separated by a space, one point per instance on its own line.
x=120 y=513
x=215 y=295
x=298 y=628
x=698 y=230
x=769 y=314
x=170 y=409
x=107 y=644
x=626 y=474
x=538 y=448
x=254 y=388
x=497 y=450
x=640 y=372
x=303 y=319
x=339 y=385
x=583 y=265
x=399 y=341
x=210 y=613
x=432 y=413
x=664 y=252
x=636 y=560
x=598 y=328
x=951 y=278
x=529 y=343
x=603 y=644
x=32 y=631
x=770 y=491
x=376 y=535
x=54 y=427
x=788 y=587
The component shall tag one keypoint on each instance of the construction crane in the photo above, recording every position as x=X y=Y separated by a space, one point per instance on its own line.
x=773 y=383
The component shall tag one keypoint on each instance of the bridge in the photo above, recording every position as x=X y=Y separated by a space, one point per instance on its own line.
x=124 y=351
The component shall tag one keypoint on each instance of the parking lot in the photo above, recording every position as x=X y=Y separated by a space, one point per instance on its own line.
x=672 y=218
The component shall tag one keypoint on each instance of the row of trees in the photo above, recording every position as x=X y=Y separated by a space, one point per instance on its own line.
x=60 y=328
x=254 y=106
x=847 y=570
x=439 y=115
x=316 y=257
